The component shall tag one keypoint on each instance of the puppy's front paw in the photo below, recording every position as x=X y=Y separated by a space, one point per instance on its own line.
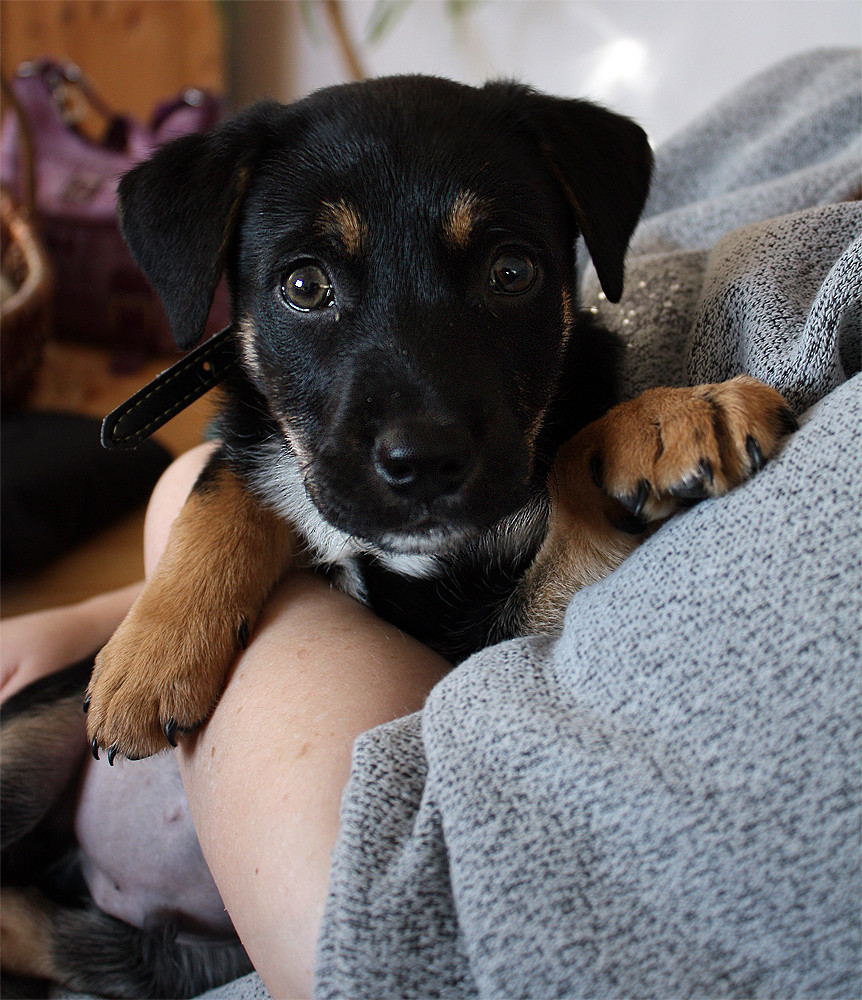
x=672 y=447
x=161 y=674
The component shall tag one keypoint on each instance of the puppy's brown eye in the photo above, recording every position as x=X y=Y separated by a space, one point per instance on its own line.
x=513 y=273
x=307 y=287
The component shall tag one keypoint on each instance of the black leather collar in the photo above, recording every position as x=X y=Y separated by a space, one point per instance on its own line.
x=171 y=392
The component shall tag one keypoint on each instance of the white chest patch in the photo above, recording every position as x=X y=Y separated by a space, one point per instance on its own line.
x=277 y=479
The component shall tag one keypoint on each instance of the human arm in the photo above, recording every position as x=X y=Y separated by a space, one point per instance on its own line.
x=265 y=776
x=33 y=645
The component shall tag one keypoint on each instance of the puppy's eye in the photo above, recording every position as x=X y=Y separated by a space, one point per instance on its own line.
x=307 y=287
x=513 y=272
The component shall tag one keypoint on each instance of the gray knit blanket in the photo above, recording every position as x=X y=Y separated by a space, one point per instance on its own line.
x=665 y=800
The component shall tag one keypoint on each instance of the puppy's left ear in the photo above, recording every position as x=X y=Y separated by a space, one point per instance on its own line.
x=603 y=162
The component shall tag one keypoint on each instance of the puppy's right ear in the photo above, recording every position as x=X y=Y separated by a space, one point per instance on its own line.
x=178 y=212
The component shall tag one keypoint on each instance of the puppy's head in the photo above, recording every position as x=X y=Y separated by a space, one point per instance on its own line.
x=400 y=255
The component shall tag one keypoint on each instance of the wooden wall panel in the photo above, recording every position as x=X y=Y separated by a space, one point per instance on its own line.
x=136 y=52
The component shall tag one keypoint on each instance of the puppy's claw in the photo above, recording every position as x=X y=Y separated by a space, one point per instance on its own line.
x=94 y=747
x=693 y=490
x=242 y=634
x=698 y=487
x=636 y=502
x=86 y=705
x=171 y=732
x=755 y=454
x=789 y=423
x=112 y=753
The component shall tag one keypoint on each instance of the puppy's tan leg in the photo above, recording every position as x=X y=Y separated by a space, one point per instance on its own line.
x=621 y=476
x=25 y=934
x=166 y=665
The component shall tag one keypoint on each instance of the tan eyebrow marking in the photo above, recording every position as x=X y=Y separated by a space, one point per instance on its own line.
x=342 y=220
x=467 y=210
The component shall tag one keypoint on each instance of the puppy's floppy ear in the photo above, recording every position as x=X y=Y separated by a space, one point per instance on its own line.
x=603 y=163
x=178 y=211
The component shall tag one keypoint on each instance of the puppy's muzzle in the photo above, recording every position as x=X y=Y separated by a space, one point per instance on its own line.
x=423 y=460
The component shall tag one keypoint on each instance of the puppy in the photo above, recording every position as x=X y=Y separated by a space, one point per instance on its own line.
x=416 y=406
x=401 y=258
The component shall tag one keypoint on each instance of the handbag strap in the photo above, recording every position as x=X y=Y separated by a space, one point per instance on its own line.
x=59 y=78
x=171 y=392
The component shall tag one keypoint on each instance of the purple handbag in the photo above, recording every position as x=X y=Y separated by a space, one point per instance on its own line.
x=100 y=297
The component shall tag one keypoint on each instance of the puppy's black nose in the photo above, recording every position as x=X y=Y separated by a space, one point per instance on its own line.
x=423 y=459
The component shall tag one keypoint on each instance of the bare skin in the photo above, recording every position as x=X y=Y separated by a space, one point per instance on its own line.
x=265 y=776
x=36 y=644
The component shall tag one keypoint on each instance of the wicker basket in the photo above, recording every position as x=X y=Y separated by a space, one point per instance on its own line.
x=25 y=296
x=25 y=312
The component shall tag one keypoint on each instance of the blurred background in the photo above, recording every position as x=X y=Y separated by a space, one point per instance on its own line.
x=661 y=61
x=152 y=68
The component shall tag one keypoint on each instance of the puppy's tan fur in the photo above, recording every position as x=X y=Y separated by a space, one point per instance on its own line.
x=659 y=439
x=466 y=211
x=341 y=220
x=26 y=932
x=171 y=656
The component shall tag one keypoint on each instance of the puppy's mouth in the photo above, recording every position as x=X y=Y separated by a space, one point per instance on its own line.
x=395 y=531
x=434 y=529
x=430 y=540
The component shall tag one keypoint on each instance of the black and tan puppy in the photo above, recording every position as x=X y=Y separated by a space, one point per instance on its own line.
x=401 y=258
x=417 y=405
